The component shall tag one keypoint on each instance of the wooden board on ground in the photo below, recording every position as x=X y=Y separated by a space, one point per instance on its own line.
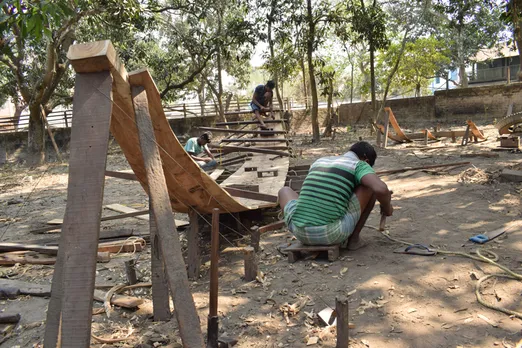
x=123 y=209
x=295 y=249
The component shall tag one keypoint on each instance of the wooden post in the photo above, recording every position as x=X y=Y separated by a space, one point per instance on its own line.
x=508 y=73
x=213 y=323
x=250 y=264
x=186 y=314
x=160 y=289
x=386 y=129
x=70 y=307
x=341 y=309
x=193 y=251
x=65 y=119
x=379 y=138
x=465 y=138
x=255 y=237
x=50 y=134
x=426 y=137
x=238 y=106
x=184 y=110
x=130 y=272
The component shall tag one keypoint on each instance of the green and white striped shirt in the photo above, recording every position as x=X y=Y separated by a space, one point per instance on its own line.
x=327 y=189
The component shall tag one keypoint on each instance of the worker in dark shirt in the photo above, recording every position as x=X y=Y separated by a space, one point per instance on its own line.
x=262 y=102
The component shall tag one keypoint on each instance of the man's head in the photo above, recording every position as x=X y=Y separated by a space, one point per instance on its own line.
x=365 y=152
x=205 y=138
x=270 y=85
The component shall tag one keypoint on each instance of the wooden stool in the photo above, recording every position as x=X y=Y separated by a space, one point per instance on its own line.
x=294 y=251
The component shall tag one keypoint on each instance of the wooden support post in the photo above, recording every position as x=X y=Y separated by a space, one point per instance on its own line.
x=426 y=137
x=213 y=323
x=160 y=289
x=184 y=110
x=386 y=129
x=65 y=119
x=341 y=309
x=255 y=238
x=70 y=307
x=185 y=309
x=465 y=138
x=379 y=138
x=130 y=272
x=250 y=264
x=193 y=251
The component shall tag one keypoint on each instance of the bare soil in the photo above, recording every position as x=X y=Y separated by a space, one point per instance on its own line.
x=395 y=300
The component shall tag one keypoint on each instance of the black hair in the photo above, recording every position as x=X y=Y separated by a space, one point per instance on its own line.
x=205 y=136
x=364 y=151
x=270 y=84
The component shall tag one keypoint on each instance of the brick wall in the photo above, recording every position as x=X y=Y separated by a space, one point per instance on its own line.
x=483 y=104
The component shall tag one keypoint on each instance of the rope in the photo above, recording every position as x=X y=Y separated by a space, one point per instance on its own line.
x=482 y=258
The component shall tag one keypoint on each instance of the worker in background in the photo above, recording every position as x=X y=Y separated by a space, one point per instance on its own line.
x=336 y=198
x=262 y=102
x=198 y=145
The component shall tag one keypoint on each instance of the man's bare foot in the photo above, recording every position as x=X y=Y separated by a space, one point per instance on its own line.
x=356 y=244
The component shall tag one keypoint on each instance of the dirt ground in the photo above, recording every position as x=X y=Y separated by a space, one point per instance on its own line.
x=395 y=300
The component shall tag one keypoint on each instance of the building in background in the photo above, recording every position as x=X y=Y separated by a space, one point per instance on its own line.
x=494 y=66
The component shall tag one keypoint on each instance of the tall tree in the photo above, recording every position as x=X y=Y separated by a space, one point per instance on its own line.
x=36 y=36
x=469 y=25
x=512 y=16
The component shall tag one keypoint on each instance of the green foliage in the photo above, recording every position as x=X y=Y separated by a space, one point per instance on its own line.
x=368 y=24
x=421 y=61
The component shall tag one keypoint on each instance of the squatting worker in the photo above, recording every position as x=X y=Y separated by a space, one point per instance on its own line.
x=262 y=102
x=198 y=145
x=336 y=198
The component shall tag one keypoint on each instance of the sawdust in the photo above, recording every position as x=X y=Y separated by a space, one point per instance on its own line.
x=476 y=175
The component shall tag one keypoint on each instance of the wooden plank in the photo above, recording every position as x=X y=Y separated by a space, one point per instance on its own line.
x=255 y=140
x=186 y=314
x=230 y=148
x=121 y=175
x=160 y=289
x=402 y=170
x=250 y=194
x=127 y=210
x=27 y=288
x=241 y=131
x=118 y=300
x=237 y=123
x=511 y=175
x=50 y=250
x=80 y=231
x=214 y=175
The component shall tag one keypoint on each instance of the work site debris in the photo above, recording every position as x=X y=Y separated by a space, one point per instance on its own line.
x=476 y=175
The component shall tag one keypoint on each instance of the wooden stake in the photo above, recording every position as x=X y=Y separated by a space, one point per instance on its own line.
x=213 y=324
x=386 y=129
x=255 y=237
x=341 y=308
x=193 y=251
x=73 y=281
x=186 y=314
x=160 y=289
x=130 y=272
x=425 y=137
x=51 y=134
x=250 y=264
x=465 y=138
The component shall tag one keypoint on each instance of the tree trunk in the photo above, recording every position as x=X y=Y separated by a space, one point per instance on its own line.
x=18 y=112
x=36 y=136
x=316 y=137
x=305 y=89
x=372 y=80
x=460 y=59
x=272 y=56
x=329 y=117
x=517 y=31
x=351 y=84
x=201 y=96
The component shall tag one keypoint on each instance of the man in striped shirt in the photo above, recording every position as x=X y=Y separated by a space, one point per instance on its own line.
x=336 y=198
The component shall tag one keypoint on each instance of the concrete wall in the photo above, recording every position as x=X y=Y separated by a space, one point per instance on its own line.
x=484 y=104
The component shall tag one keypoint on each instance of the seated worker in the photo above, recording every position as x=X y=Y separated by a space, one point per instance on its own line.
x=197 y=145
x=336 y=198
x=262 y=101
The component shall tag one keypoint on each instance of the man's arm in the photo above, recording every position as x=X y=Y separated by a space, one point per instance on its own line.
x=381 y=191
x=254 y=100
x=197 y=158
x=207 y=151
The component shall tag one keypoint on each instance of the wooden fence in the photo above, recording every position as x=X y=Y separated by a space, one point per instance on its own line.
x=64 y=119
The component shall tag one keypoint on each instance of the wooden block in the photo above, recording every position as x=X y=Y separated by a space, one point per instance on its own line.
x=250 y=169
x=341 y=309
x=10 y=318
x=125 y=246
x=119 y=300
x=261 y=172
x=250 y=263
x=295 y=250
x=130 y=272
x=255 y=237
x=511 y=142
x=193 y=249
x=9 y=292
x=252 y=188
x=511 y=175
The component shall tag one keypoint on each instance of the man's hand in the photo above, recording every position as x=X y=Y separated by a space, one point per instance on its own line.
x=206 y=159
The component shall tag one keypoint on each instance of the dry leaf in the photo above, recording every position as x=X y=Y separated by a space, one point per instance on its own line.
x=344 y=270
x=312 y=341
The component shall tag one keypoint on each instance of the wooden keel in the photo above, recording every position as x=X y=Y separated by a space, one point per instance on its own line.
x=160 y=289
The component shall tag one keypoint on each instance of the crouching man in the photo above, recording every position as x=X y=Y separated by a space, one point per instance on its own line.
x=336 y=198
x=198 y=145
